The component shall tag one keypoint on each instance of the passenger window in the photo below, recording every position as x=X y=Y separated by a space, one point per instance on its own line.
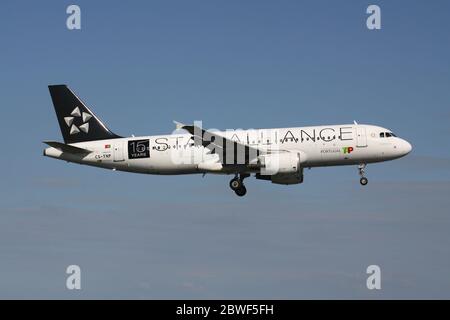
x=382 y=135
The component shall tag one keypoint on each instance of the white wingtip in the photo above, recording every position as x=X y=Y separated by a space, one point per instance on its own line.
x=178 y=125
x=354 y=121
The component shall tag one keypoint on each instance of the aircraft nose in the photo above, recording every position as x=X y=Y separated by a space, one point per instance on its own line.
x=406 y=147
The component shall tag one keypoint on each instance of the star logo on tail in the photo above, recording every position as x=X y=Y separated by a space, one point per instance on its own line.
x=77 y=114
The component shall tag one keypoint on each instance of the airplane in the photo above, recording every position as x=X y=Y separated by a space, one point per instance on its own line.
x=277 y=155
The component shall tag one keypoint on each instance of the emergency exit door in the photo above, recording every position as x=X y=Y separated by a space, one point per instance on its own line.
x=361 y=139
x=119 y=152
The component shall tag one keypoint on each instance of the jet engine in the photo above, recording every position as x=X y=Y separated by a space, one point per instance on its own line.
x=281 y=168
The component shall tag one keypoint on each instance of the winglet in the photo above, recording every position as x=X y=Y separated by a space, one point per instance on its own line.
x=354 y=121
x=178 y=125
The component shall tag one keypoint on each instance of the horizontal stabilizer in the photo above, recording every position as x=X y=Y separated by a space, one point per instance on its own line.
x=67 y=148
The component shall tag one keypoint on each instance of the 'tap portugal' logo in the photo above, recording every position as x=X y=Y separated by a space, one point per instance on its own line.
x=347 y=149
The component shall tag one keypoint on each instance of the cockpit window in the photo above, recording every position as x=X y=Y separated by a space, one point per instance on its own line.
x=387 y=134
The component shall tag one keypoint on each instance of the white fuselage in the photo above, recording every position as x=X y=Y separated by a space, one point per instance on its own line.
x=332 y=145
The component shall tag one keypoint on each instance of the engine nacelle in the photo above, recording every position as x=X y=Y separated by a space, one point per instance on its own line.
x=279 y=163
x=281 y=168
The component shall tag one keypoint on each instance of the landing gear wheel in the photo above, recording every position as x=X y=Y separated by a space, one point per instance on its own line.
x=363 y=181
x=361 y=170
x=241 y=191
x=235 y=184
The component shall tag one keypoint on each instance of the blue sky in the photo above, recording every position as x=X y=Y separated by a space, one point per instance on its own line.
x=231 y=64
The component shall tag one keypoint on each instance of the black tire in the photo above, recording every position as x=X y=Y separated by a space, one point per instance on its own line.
x=364 y=181
x=235 y=184
x=242 y=191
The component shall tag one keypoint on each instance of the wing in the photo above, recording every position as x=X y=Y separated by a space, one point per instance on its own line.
x=230 y=152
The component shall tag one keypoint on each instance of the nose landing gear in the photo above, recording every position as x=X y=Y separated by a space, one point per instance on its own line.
x=237 y=184
x=363 y=179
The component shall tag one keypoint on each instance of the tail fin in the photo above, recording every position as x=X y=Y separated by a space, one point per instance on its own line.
x=76 y=121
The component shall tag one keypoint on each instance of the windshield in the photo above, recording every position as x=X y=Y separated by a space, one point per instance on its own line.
x=387 y=135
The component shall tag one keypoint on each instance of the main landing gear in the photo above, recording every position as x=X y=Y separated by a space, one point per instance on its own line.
x=237 y=184
x=363 y=179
